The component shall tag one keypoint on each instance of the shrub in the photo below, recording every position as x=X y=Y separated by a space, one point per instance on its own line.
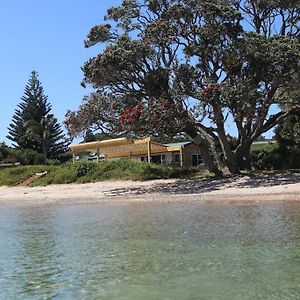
x=144 y=171
x=290 y=157
x=24 y=157
x=267 y=158
x=53 y=162
x=83 y=169
x=4 y=151
x=65 y=157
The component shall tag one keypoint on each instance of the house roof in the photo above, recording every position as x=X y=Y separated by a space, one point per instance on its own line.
x=124 y=147
x=178 y=144
x=121 y=147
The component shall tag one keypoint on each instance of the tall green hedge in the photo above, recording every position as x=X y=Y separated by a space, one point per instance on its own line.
x=267 y=157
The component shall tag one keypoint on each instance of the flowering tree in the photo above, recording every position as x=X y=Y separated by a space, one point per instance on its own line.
x=172 y=66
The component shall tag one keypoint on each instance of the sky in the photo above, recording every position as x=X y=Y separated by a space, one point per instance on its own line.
x=46 y=36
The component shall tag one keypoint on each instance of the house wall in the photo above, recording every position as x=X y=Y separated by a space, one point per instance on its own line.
x=167 y=161
x=188 y=151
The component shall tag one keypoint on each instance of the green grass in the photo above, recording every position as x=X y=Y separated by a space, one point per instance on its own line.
x=93 y=172
x=13 y=176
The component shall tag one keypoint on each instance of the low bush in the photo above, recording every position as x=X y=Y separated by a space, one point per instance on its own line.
x=83 y=169
x=23 y=156
x=28 y=156
x=126 y=169
x=3 y=151
x=267 y=158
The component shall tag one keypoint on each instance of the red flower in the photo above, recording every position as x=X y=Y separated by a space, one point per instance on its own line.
x=154 y=119
x=67 y=122
x=206 y=90
x=211 y=89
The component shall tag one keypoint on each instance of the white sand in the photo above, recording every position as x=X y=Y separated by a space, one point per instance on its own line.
x=263 y=188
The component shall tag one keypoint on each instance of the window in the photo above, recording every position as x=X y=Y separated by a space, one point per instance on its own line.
x=156 y=159
x=196 y=160
x=177 y=158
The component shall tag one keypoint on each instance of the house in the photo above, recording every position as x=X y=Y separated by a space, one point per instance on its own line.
x=185 y=154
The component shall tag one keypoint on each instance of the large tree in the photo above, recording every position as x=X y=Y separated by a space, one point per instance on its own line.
x=172 y=66
x=33 y=126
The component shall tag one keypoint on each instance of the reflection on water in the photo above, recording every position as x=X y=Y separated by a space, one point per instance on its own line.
x=151 y=251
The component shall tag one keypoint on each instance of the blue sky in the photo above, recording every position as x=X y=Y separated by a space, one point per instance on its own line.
x=45 y=35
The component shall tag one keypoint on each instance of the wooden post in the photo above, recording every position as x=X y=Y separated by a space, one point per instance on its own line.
x=149 y=150
x=73 y=157
x=181 y=156
x=98 y=153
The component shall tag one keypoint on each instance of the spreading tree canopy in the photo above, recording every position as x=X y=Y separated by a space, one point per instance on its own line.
x=33 y=126
x=191 y=66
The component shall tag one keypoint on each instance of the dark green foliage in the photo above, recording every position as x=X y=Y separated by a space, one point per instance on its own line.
x=63 y=158
x=288 y=138
x=25 y=157
x=4 y=151
x=267 y=157
x=22 y=156
x=89 y=136
x=33 y=107
x=33 y=127
x=288 y=133
x=28 y=156
x=84 y=169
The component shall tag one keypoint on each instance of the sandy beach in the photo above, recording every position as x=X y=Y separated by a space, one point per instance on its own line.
x=239 y=188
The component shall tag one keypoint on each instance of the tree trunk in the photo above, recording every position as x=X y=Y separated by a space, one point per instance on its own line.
x=244 y=159
x=229 y=155
x=217 y=155
x=208 y=160
x=206 y=157
x=45 y=151
x=226 y=147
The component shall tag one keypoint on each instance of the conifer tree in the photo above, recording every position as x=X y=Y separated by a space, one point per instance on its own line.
x=33 y=127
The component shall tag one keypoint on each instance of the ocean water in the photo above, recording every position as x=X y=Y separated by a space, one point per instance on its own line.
x=141 y=251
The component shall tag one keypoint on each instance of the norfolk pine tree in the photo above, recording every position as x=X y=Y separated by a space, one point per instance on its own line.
x=33 y=127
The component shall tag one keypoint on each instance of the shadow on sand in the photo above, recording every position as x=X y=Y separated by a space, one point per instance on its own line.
x=199 y=186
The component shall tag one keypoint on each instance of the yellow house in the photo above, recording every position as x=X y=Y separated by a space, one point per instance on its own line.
x=179 y=154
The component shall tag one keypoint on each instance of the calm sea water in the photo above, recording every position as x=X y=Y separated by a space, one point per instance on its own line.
x=151 y=251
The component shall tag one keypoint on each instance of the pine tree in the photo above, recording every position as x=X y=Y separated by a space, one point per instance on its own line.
x=33 y=127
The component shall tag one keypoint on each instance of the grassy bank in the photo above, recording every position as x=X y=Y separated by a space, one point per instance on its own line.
x=93 y=172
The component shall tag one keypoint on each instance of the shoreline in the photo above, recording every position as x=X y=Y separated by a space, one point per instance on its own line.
x=240 y=189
